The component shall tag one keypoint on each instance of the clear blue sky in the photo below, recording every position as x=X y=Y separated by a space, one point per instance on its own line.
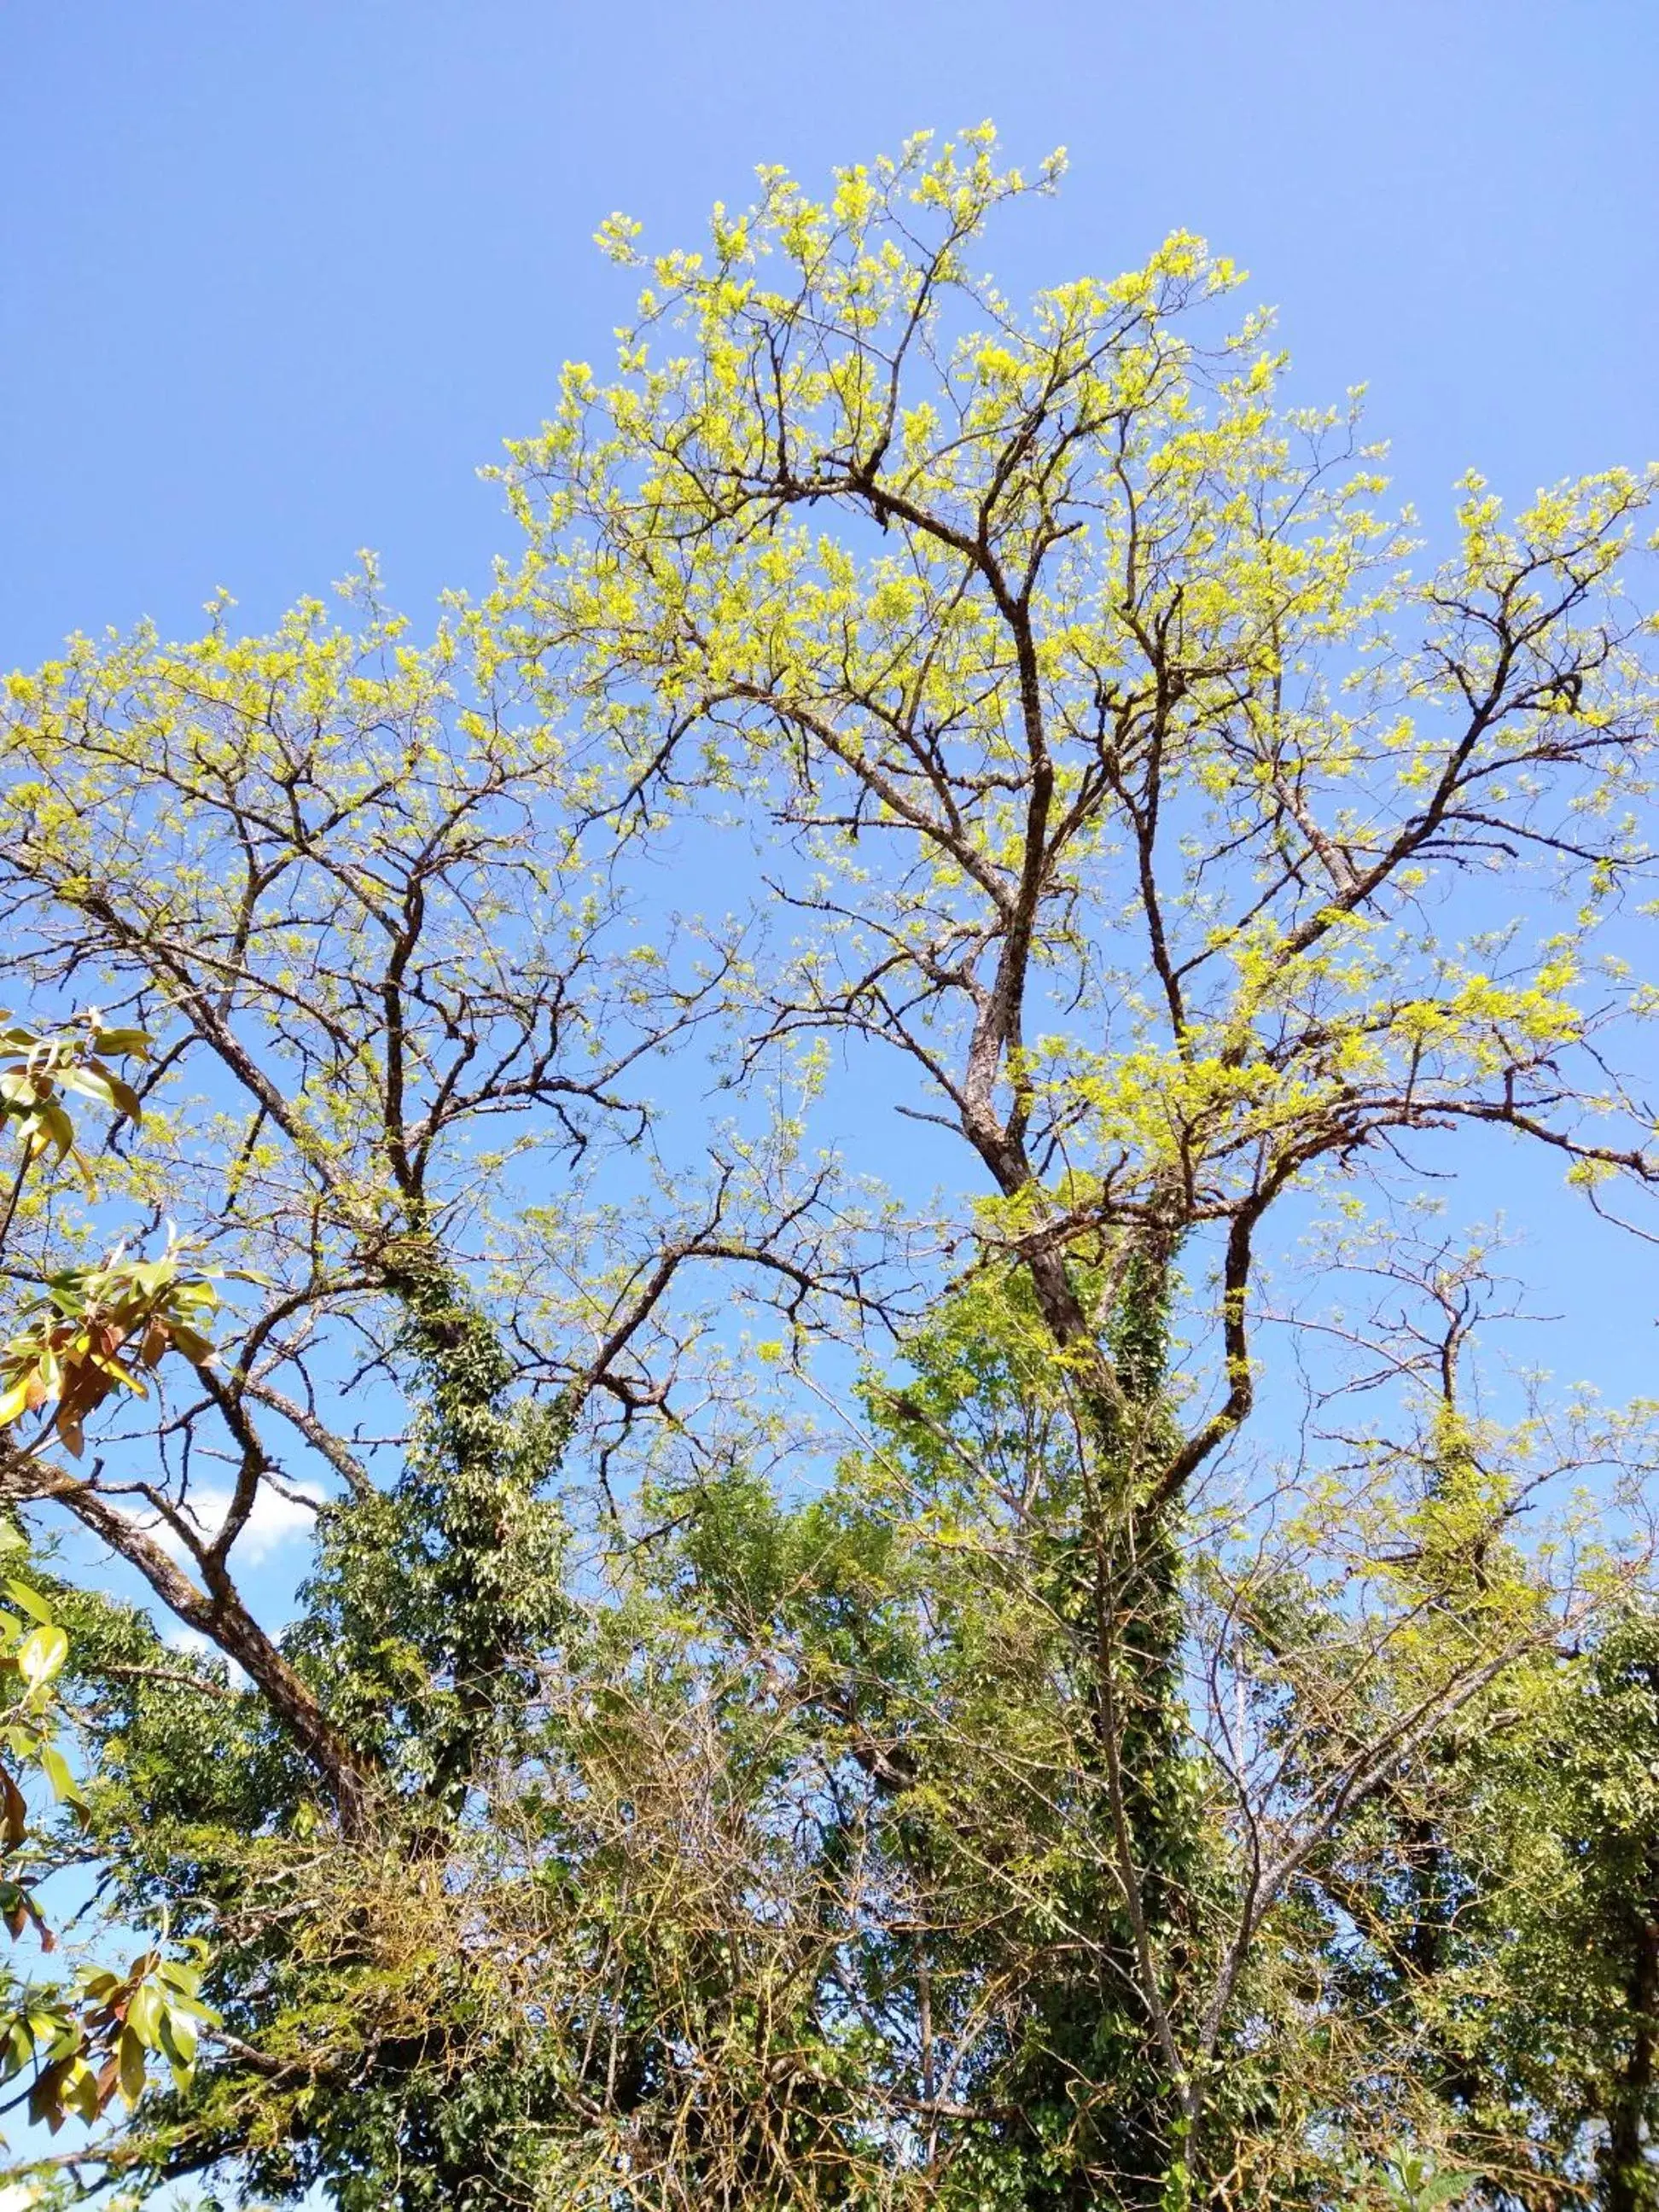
x=276 y=276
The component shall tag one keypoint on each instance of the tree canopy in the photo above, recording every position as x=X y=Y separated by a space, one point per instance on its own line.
x=823 y=1141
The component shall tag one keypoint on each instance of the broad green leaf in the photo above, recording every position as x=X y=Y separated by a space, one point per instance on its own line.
x=55 y=1767
x=40 y=1654
x=31 y=1600
x=131 y=2055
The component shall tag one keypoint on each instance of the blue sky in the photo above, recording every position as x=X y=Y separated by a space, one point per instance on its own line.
x=275 y=279
x=275 y=276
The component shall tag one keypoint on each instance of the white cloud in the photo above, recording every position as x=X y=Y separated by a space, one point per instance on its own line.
x=194 y=1645
x=274 y=1521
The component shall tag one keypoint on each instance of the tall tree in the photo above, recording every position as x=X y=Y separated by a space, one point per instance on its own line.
x=1125 y=779
x=1050 y=1810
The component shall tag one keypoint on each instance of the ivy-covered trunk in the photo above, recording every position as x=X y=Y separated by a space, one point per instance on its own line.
x=1104 y=2077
